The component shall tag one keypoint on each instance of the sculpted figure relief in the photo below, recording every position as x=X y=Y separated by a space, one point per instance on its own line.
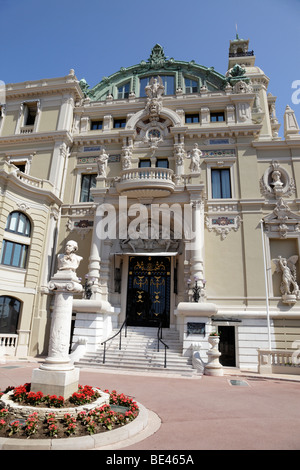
x=69 y=260
x=195 y=156
x=102 y=163
x=154 y=91
x=126 y=158
x=288 y=270
x=179 y=155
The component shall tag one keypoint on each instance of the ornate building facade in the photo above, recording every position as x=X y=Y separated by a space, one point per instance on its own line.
x=181 y=196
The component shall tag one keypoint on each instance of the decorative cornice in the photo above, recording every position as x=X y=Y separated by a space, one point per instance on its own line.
x=53 y=136
x=59 y=86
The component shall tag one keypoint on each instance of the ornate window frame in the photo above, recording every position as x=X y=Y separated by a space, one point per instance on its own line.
x=219 y=163
x=21 y=127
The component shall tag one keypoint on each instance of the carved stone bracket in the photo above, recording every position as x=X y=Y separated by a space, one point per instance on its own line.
x=82 y=227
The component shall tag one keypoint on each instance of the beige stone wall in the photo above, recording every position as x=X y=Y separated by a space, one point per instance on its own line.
x=49 y=119
x=224 y=270
x=10 y=122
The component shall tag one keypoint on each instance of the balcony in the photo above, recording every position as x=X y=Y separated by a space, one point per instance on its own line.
x=26 y=130
x=146 y=182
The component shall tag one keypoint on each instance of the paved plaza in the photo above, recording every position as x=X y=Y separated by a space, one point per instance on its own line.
x=233 y=412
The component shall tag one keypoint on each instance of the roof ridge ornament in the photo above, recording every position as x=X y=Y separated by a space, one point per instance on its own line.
x=157 y=57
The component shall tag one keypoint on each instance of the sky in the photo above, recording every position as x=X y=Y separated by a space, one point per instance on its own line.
x=45 y=39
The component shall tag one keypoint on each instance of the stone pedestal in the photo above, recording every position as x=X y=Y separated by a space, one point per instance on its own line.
x=57 y=375
x=60 y=383
x=213 y=366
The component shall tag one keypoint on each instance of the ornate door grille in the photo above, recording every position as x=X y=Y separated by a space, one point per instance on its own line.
x=148 y=295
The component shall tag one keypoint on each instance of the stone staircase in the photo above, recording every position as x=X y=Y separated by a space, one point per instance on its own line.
x=139 y=353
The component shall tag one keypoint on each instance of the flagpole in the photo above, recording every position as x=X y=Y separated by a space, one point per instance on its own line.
x=266 y=283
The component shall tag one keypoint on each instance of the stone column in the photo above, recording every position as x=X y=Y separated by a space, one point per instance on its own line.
x=96 y=247
x=196 y=259
x=57 y=375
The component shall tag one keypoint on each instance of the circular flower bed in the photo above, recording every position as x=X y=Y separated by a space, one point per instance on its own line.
x=53 y=424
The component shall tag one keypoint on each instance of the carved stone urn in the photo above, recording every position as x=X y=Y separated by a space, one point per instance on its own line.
x=213 y=366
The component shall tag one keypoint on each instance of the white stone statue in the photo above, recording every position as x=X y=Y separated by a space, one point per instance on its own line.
x=126 y=158
x=154 y=91
x=179 y=155
x=195 y=156
x=69 y=260
x=102 y=163
x=287 y=267
x=277 y=183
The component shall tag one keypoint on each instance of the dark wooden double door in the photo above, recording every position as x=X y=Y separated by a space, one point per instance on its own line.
x=148 y=293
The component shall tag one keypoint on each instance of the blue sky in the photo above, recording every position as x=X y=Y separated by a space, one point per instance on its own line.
x=44 y=39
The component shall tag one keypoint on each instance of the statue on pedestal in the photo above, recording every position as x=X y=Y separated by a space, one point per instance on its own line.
x=57 y=375
x=102 y=163
x=69 y=260
x=195 y=156
x=289 y=287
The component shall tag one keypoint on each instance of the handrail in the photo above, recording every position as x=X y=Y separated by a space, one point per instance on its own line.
x=112 y=337
x=159 y=340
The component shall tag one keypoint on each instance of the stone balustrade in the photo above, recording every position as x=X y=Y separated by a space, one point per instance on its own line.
x=279 y=361
x=26 y=130
x=151 y=173
x=37 y=183
x=8 y=344
x=151 y=181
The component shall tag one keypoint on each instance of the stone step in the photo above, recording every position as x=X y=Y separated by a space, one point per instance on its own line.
x=139 y=353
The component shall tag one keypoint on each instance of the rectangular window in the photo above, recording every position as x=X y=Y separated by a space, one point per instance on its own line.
x=191 y=118
x=119 y=123
x=123 y=91
x=217 y=117
x=30 y=112
x=20 y=166
x=144 y=163
x=14 y=254
x=191 y=86
x=95 y=125
x=162 y=163
x=87 y=183
x=220 y=183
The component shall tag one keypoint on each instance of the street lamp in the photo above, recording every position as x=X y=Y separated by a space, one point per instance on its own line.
x=88 y=292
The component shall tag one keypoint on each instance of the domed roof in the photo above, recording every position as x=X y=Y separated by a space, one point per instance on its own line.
x=132 y=80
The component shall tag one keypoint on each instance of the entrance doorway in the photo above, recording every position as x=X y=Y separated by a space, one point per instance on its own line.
x=148 y=292
x=227 y=345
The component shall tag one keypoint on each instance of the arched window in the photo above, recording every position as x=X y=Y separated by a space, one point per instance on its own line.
x=9 y=314
x=17 y=222
x=14 y=252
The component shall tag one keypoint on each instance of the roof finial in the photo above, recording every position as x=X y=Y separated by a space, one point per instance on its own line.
x=236 y=34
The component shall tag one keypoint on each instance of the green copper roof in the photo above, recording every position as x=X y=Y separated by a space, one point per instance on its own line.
x=157 y=64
